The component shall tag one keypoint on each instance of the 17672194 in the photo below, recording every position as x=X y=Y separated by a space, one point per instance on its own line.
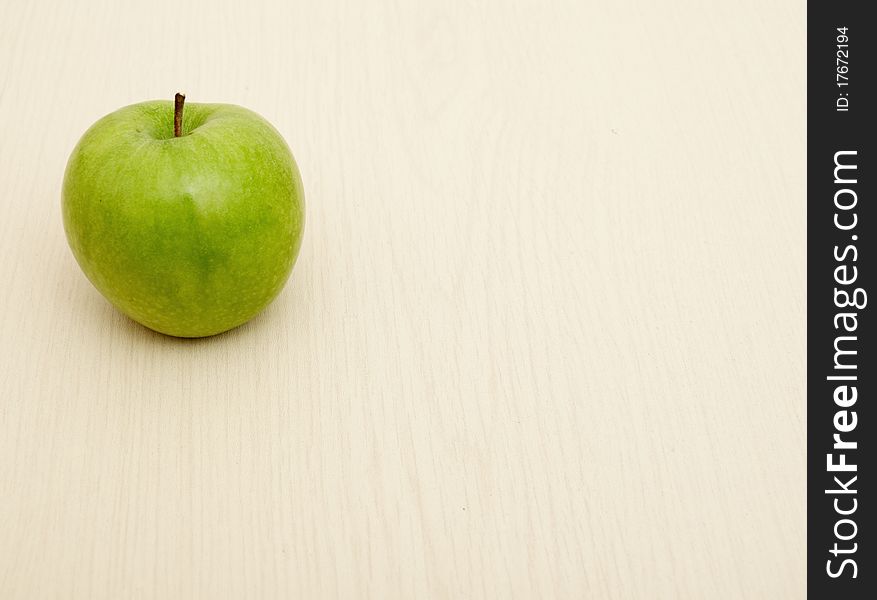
x=842 y=70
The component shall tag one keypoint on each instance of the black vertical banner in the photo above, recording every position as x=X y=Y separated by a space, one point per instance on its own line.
x=841 y=363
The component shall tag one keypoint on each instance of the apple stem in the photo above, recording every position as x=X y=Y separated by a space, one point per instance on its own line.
x=179 y=99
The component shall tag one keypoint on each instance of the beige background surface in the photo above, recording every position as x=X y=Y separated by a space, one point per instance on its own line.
x=545 y=338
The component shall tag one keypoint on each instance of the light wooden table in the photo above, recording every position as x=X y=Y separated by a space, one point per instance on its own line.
x=545 y=338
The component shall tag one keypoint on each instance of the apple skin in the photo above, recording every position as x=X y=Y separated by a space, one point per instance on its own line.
x=192 y=235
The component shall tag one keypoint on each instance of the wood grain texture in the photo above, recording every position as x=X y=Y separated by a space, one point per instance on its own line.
x=545 y=338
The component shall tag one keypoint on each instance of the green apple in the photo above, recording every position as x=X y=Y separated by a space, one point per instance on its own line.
x=187 y=222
